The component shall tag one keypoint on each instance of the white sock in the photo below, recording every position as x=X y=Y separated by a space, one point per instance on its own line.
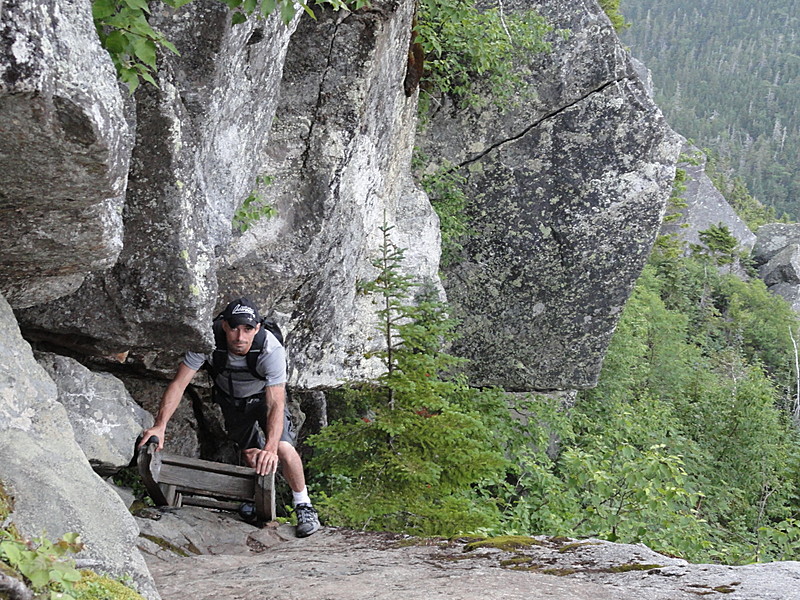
x=301 y=497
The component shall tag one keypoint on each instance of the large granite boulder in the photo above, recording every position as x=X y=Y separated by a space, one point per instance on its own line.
x=104 y=418
x=566 y=194
x=339 y=155
x=54 y=488
x=198 y=140
x=776 y=254
x=64 y=151
x=337 y=150
x=705 y=206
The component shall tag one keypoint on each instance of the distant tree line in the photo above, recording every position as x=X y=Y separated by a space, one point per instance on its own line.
x=727 y=75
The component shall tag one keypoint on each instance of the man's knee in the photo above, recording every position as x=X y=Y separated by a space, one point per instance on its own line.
x=288 y=454
x=286 y=449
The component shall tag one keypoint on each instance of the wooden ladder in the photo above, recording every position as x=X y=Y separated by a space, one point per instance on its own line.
x=175 y=480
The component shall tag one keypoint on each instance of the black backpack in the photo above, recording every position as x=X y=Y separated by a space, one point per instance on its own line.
x=219 y=357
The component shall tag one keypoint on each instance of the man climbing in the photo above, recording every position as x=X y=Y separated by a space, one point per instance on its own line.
x=248 y=368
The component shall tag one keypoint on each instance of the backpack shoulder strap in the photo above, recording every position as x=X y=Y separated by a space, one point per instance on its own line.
x=259 y=343
x=219 y=357
x=274 y=329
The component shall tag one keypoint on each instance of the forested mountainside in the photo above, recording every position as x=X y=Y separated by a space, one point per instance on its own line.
x=727 y=74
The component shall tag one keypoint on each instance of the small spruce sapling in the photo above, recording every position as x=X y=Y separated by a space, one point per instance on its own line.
x=414 y=460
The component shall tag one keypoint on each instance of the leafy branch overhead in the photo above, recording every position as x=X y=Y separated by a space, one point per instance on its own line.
x=129 y=39
x=459 y=41
x=463 y=44
x=132 y=42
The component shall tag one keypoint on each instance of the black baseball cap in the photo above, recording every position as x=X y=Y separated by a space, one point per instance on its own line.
x=241 y=312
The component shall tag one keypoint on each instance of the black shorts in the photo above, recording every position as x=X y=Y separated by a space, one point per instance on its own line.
x=246 y=425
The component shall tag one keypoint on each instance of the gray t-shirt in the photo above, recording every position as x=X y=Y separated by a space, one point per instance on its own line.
x=271 y=363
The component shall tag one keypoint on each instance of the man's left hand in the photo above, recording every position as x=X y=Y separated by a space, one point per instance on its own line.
x=263 y=461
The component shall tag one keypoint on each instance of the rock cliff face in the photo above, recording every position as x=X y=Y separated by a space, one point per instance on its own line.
x=198 y=139
x=54 y=488
x=339 y=156
x=705 y=205
x=567 y=195
x=117 y=213
x=568 y=188
x=64 y=151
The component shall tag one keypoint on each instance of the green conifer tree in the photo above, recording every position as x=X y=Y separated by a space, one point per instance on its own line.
x=423 y=442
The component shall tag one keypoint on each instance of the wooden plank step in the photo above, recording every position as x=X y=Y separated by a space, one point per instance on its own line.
x=205 y=465
x=172 y=480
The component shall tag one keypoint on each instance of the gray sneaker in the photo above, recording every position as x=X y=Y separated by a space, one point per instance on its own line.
x=307 y=520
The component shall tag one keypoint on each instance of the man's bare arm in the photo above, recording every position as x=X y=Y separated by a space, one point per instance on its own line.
x=266 y=460
x=169 y=404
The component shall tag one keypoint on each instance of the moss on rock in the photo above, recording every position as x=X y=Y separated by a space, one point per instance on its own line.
x=100 y=587
x=509 y=543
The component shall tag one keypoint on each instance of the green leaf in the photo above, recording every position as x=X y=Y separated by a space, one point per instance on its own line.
x=169 y=46
x=288 y=11
x=249 y=6
x=130 y=78
x=39 y=578
x=145 y=51
x=308 y=10
x=238 y=18
x=117 y=42
x=103 y=8
x=138 y=4
x=267 y=7
x=11 y=551
x=148 y=78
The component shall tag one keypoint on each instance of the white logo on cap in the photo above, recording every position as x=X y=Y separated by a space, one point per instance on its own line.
x=239 y=309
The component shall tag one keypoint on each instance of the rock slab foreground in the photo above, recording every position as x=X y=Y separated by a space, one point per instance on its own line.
x=346 y=565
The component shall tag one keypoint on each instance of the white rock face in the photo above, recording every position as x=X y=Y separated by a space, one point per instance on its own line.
x=198 y=139
x=105 y=419
x=64 y=151
x=339 y=154
x=705 y=205
x=54 y=488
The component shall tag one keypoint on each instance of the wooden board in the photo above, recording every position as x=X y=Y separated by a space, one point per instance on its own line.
x=172 y=480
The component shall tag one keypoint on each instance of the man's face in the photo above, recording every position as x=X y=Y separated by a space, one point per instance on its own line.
x=239 y=338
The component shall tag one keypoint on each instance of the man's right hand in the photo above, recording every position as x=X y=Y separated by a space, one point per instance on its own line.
x=263 y=461
x=153 y=431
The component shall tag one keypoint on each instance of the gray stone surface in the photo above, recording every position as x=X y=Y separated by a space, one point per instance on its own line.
x=190 y=531
x=567 y=194
x=705 y=205
x=64 y=151
x=183 y=434
x=198 y=139
x=340 y=153
x=566 y=197
x=54 y=488
x=338 y=149
x=105 y=419
x=772 y=238
x=347 y=565
x=776 y=254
